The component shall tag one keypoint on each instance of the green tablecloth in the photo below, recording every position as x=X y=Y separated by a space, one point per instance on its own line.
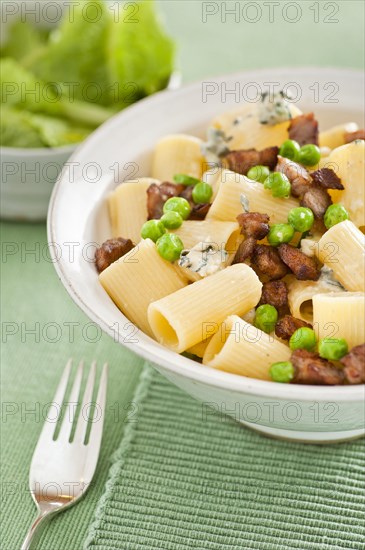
x=41 y=327
x=184 y=480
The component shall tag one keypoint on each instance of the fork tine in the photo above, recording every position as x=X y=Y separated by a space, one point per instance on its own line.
x=67 y=421
x=96 y=431
x=82 y=421
x=48 y=426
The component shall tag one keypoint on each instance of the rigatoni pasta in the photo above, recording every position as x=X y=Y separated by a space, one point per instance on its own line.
x=194 y=313
x=129 y=283
x=241 y=348
x=199 y=348
x=245 y=130
x=224 y=234
x=301 y=293
x=340 y=315
x=128 y=208
x=177 y=154
x=348 y=162
x=335 y=136
x=342 y=248
x=227 y=203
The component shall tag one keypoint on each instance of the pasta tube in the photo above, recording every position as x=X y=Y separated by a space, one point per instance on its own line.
x=139 y=278
x=340 y=315
x=224 y=234
x=335 y=136
x=195 y=312
x=128 y=208
x=241 y=348
x=248 y=131
x=199 y=349
x=178 y=154
x=348 y=162
x=301 y=293
x=227 y=203
x=342 y=248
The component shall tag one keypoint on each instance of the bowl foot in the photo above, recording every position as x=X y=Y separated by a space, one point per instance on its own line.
x=318 y=438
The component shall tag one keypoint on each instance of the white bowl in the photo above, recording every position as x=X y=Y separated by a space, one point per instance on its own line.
x=28 y=175
x=78 y=215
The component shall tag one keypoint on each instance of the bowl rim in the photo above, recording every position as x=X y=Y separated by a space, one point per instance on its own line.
x=161 y=355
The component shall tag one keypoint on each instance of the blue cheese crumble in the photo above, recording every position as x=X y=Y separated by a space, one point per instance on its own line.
x=245 y=203
x=274 y=108
x=216 y=145
x=205 y=258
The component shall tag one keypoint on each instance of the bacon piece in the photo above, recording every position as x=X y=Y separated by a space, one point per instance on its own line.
x=157 y=195
x=199 y=211
x=353 y=136
x=327 y=178
x=269 y=157
x=110 y=251
x=318 y=200
x=245 y=250
x=303 y=267
x=187 y=193
x=275 y=293
x=297 y=175
x=242 y=160
x=286 y=326
x=354 y=363
x=267 y=260
x=254 y=224
x=309 y=368
x=304 y=129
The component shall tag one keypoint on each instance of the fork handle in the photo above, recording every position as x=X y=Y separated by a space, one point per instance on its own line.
x=34 y=530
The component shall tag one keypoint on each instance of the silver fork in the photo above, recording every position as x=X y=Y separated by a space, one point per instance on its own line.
x=61 y=471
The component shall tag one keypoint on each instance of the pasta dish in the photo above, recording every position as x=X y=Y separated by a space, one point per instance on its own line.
x=245 y=250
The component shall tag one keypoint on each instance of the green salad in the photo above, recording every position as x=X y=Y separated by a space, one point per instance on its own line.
x=59 y=85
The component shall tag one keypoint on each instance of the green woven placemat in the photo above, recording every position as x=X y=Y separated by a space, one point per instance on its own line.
x=178 y=482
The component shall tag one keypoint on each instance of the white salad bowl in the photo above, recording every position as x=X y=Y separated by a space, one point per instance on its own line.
x=78 y=222
x=28 y=175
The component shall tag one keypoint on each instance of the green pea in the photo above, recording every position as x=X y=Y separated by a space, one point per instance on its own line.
x=169 y=247
x=335 y=213
x=266 y=317
x=301 y=218
x=279 y=185
x=332 y=348
x=309 y=155
x=290 y=149
x=303 y=338
x=280 y=233
x=179 y=205
x=258 y=173
x=184 y=179
x=202 y=193
x=283 y=371
x=171 y=220
x=153 y=229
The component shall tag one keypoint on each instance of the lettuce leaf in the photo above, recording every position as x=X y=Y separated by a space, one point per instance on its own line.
x=139 y=51
x=75 y=55
x=16 y=131
x=24 y=129
x=98 y=61
x=23 y=40
x=56 y=132
x=23 y=89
